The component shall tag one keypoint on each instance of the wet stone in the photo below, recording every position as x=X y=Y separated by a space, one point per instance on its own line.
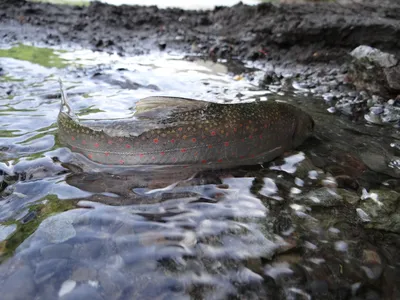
x=382 y=206
x=90 y=250
x=324 y=197
x=56 y=251
x=348 y=196
x=113 y=283
x=48 y=268
x=83 y=292
x=19 y=285
x=83 y=274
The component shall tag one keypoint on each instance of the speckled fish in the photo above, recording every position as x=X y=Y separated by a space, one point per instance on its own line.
x=179 y=131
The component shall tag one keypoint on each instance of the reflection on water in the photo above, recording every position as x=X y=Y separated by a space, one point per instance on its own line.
x=320 y=222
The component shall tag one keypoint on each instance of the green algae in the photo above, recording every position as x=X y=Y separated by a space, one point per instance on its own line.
x=89 y=110
x=45 y=57
x=45 y=207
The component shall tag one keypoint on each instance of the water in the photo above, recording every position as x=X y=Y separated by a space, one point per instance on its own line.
x=317 y=223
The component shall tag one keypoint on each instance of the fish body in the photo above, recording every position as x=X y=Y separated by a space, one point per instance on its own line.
x=178 y=131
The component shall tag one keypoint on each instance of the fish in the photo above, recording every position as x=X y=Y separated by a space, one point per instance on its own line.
x=182 y=131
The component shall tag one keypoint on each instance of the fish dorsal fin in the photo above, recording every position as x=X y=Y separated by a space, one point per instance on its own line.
x=65 y=107
x=156 y=107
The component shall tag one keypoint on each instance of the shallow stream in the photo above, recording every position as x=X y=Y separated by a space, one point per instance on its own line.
x=322 y=222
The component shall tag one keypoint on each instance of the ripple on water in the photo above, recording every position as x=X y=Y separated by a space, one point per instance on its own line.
x=96 y=236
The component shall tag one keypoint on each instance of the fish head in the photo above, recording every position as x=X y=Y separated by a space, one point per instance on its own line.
x=304 y=128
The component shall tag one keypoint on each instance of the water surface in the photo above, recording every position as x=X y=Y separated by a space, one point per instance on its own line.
x=301 y=226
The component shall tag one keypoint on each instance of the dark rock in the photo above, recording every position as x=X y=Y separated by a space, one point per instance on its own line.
x=375 y=71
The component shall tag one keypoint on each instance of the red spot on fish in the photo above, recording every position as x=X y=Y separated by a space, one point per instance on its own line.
x=183 y=150
x=84 y=142
x=252 y=155
x=174 y=159
x=153 y=158
x=121 y=162
x=260 y=136
x=234 y=129
x=162 y=153
x=73 y=138
x=180 y=128
x=227 y=134
x=173 y=141
x=90 y=156
x=73 y=147
x=241 y=157
x=96 y=145
x=155 y=141
x=120 y=140
x=141 y=155
x=203 y=161
x=250 y=137
x=110 y=142
x=241 y=125
x=196 y=153
x=213 y=133
x=242 y=140
x=194 y=140
x=226 y=144
x=220 y=160
x=127 y=146
x=209 y=146
x=107 y=153
x=265 y=125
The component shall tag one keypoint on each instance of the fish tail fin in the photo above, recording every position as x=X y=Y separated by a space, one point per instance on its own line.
x=64 y=102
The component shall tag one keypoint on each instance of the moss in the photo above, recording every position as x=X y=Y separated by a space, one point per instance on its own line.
x=89 y=110
x=52 y=206
x=9 y=133
x=45 y=57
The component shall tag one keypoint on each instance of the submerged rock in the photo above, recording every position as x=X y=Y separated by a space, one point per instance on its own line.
x=382 y=207
x=375 y=71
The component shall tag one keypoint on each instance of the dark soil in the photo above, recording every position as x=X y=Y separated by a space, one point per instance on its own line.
x=284 y=34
